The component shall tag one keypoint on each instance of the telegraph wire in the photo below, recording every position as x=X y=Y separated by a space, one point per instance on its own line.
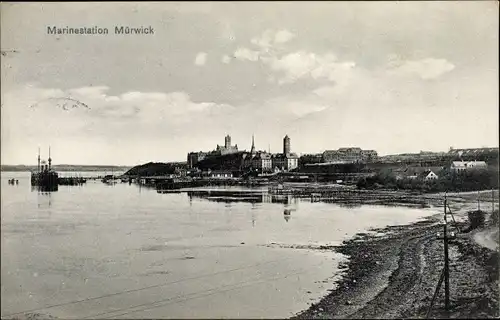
x=141 y=289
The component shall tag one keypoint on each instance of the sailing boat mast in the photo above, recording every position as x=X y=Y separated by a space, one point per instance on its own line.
x=50 y=160
x=38 y=167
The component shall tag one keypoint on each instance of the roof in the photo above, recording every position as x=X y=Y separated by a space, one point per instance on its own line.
x=413 y=171
x=472 y=151
x=285 y=156
x=350 y=149
x=481 y=163
x=468 y=163
x=262 y=155
x=458 y=163
x=425 y=173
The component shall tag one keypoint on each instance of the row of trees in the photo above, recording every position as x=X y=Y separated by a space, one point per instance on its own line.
x=448 y=181
x=156 y=169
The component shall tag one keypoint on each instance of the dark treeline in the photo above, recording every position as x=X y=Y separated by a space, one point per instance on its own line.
x=447 y=181
x=334 y=168
x=156 y=169
x=230 y=162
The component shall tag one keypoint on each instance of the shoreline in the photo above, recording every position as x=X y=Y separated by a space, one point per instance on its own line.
x=395 y=275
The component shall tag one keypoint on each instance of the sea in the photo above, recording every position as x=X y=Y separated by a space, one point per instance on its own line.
x=101 y=251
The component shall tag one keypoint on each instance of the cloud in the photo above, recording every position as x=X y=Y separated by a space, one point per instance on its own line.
x=243 y=54
x=270 y=37
x=107 y=114
x=303 y=64
x=226 y=59
x=283 y=36
x=292 y=65
x=201 y=59
x=429 y=68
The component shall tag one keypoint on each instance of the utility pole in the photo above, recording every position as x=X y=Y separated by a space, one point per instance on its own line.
x=446 y=261
x=478 y=203
x=445 y=274
x=492 y=201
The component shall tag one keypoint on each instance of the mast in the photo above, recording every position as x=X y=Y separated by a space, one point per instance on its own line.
x=50 y=160
x=252 y=150
x=38 y=159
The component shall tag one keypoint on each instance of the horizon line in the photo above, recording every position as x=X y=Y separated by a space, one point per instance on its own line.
x=300 y=153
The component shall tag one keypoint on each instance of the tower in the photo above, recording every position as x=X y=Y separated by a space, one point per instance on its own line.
x=286 y=145
x=227 y=141
x=252 y=151
x=50 y=159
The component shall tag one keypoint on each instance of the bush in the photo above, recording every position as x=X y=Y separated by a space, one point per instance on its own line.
x=476 y=218
x=494 y=217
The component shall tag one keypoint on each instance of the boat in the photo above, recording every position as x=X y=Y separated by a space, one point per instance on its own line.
x=45 y=177
x=109 y=179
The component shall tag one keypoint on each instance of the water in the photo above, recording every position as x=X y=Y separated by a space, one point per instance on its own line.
x=120 y=251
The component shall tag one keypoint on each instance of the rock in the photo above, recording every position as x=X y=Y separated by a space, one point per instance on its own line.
x=348 y=302
x=242 y=243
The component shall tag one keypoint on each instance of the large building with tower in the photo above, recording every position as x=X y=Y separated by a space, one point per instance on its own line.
x=193 y=158
x=287 y=160
x=227 y=148
x=228 y=157
x=258 y=160
x=349 y=155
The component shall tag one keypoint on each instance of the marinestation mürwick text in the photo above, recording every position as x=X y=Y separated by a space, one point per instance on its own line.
x=118 y=30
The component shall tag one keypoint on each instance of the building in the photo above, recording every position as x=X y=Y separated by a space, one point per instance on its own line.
x=194 y=157
x=286 y=145
x=369 y=155
x=414 y=172
x=349 y=155
x=221 y=174
x=458 y=166
x=227 y=148
x=428 y=175
x=287 y=160
x=259 y=160
x=472 y=153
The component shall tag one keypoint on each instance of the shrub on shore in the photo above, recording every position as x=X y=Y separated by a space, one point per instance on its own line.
x=494 y=218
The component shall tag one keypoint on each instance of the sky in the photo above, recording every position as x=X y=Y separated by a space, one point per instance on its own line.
x=393 y=76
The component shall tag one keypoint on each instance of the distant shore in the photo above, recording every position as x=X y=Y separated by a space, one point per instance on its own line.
x=64 y=167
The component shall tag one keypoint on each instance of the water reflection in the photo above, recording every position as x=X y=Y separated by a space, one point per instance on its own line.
x=287 y=213
x=44 y=189
x=44 y=199
x=350 y=205
x=253 y=197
